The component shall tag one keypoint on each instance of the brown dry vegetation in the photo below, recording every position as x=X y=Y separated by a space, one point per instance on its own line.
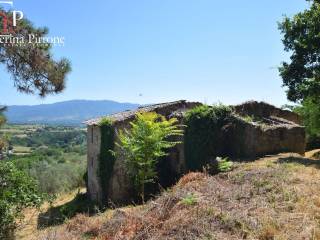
x=276 y=197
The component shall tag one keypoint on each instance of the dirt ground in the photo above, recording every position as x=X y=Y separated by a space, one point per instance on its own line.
x=275 y=197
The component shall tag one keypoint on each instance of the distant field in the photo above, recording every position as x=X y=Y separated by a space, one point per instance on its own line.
x=54 y=156
x=22 y=130
x=19 y=130
x=21 y=127
x=21 y=150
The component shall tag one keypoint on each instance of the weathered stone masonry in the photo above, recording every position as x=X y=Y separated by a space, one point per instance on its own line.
x=280 y=132
x=119 y=187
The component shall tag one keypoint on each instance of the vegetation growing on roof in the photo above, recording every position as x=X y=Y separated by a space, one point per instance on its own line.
x=203 y=133
x=247 y=118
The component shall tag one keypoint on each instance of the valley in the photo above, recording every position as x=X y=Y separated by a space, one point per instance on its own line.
x=54 y=156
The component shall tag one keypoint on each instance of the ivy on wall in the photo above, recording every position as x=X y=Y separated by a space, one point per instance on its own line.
x=203 y=138
x=106 y=157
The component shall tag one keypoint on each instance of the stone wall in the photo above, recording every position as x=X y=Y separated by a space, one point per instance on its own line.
x=265 y=110
x=120 y=188
x=244 y=139
x=93 y=150
x=277 y=132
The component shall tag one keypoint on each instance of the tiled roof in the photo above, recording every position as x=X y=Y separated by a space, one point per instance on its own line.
x=122 y=116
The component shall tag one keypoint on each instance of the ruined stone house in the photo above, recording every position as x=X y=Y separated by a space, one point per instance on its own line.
x=275 y=131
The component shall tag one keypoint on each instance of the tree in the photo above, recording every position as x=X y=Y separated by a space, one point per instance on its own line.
x=2 y=117
x=33 y=69
x=144 y=144
x=309 y=110
x=17 y=191
x=301 y=37
x=2 y=121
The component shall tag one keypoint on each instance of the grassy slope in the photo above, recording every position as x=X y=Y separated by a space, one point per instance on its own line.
x=27 y=229
x=275 y=197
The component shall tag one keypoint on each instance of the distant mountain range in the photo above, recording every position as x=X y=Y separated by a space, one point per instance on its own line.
x=73 y=112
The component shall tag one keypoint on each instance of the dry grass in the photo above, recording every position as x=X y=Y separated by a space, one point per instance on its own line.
x=28 y=227
x=277 y=197
x=89 y=228
x=315 y=154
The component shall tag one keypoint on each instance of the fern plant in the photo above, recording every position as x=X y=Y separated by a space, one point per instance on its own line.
x=224 y=165
x=143 y=145
x=189 y=200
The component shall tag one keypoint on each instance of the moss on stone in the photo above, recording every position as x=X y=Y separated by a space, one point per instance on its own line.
x=203 y=136
x=106 y=157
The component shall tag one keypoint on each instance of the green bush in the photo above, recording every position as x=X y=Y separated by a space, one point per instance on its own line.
x=224 y=165
x=144 y=144
x=309 y=110
x=218 y=165
x=189 y=200
x=17 y=191
x=203 y=134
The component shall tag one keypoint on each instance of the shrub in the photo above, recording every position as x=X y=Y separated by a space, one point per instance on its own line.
x=218 y=165
x=144 y=144
x=224 y=165
x=203 y=134
x=248 y=119
x=313 y=142
x=310 y=113
x=17 y=191
x=189 y=200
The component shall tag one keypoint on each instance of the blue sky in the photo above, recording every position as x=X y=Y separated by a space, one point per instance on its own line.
x=148 y=51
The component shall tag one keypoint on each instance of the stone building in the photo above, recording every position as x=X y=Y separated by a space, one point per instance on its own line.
x=272 y=130
x=119 y=187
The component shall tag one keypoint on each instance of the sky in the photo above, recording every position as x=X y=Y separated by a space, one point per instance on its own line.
x=150 y=51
